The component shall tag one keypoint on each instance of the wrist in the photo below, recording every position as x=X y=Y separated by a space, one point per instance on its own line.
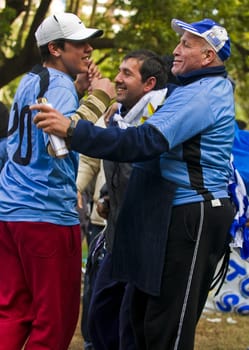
x=69 y=132
x=80 y=91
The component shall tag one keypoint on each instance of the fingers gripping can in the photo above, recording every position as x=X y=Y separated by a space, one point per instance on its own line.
x=57 y=144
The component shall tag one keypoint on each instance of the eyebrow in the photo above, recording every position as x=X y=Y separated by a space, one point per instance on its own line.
x=125 y=70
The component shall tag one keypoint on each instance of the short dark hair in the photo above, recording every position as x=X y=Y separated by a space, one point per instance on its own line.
x=152 y=65
x=44 y=51
x=169 y=62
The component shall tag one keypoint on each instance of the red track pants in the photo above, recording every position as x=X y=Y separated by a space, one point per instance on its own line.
x=40 y=279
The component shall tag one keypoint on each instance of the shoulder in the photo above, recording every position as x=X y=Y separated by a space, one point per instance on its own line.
x=58 y=79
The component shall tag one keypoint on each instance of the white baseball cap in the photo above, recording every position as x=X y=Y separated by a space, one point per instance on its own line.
x=64 y=26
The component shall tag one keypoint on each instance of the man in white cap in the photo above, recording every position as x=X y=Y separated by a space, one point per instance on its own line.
x=40 y=248
x=169 y=249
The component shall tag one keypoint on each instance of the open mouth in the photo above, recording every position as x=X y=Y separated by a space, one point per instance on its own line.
x=86 y=58
x=120 y=89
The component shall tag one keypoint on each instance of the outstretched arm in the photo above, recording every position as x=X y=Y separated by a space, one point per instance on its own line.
x=132 y=144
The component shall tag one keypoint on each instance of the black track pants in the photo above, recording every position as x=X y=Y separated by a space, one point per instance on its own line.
x=198 y=238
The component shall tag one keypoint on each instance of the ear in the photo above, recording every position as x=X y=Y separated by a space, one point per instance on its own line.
x=150 y=84
x=53 y=49
x=208 y=57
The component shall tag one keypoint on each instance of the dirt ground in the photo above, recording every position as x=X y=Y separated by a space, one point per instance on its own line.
x=215 y=331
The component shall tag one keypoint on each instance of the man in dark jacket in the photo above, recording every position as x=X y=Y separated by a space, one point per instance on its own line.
x=142 y=73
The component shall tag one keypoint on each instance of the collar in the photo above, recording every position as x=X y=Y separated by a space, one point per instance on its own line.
x=201 y=73
x=123 y=110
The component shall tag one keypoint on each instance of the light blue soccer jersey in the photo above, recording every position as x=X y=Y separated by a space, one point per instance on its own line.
x=35 y=186
x=197 y=120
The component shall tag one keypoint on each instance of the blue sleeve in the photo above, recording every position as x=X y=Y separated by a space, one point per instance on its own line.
x=132 y=144
x=180 y=118
x=193 y=108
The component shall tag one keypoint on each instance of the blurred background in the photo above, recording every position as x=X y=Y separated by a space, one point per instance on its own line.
x=127 y=25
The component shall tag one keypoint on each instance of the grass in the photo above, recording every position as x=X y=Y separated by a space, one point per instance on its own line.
x=229 y=332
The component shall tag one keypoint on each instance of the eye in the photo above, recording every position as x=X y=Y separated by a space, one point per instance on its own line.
x=185 y=43
x=127 y=72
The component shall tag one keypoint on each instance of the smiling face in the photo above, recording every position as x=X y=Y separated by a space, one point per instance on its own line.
x=190 y=54
x=129 y=85
x=72 y=59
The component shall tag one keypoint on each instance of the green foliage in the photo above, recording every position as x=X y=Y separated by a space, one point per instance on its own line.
x=133 y=24
x=6 y=18
x=9 y=92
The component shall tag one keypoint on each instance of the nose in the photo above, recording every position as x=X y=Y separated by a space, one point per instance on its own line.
x=118 y=78
x=88 y=47
x=176 y=50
